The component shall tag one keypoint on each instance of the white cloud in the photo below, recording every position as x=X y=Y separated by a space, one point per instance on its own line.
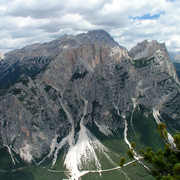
x=23 y=22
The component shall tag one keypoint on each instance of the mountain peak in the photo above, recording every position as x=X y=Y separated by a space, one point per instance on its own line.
x=145 y=49
x=100 y=32
x=98 y=36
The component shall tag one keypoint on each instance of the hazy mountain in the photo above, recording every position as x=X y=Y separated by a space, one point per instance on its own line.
x=174 y=56
x=88 y=98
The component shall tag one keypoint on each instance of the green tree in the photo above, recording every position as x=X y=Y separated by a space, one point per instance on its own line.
x=163 y=164
x=122 y=161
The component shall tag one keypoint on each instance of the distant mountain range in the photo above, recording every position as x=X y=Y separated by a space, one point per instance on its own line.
x=174 y=56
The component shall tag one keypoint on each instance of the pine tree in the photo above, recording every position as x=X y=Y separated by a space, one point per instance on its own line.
x=165 y=163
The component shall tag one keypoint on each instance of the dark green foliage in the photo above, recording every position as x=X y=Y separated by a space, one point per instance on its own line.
x=143 y=62
x=172 y=125
x=25 y=81
x=16 y=91
x=160 y=152
x=130 y=153
x=122 y=161
x=146 y=127
x=141 y=152
x=133 y=145
x=176 y=169
x=148 y=155
x=78 y=75
x=18 y=175
x=163 y=164
x=18 y=72
x=62 y=113
x=162 y=130
x=47 y=88
x=177 y=140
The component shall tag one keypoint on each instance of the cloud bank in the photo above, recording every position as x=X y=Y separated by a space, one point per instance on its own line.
x=25 y=22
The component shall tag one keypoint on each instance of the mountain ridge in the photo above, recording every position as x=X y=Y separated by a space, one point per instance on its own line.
x=38 y=55
x=88 y=91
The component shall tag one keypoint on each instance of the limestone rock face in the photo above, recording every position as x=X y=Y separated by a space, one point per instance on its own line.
x=146 y=49
x=72 y=70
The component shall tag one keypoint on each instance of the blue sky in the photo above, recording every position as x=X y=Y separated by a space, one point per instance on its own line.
x=25 y=22
x=147 y=16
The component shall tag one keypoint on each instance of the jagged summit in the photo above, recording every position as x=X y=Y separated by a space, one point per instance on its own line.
x=97 y=36
x=51 y=49
x=38 y=55
x=145 y=49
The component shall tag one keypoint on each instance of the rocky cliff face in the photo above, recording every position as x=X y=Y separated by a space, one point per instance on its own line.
x=31 y=59
x=83 y=81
